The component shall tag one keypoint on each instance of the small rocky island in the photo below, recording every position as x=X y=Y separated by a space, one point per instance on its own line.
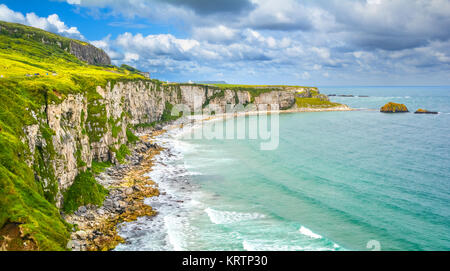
x=394 y=108
x=424 y=111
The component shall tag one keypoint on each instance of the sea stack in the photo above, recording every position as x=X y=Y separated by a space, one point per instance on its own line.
x=394 y=108
x=424 y=111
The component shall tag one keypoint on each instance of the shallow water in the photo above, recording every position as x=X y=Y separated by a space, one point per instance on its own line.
x=337 y=181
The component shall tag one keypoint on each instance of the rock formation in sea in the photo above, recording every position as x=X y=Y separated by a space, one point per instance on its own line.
x=424 y=111
x=394 y=108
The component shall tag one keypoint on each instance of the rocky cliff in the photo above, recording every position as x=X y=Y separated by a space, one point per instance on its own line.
x=81 y=50
x=83 y=129
x=89 y=53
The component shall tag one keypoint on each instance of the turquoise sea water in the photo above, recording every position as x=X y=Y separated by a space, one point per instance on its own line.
x=337 y=181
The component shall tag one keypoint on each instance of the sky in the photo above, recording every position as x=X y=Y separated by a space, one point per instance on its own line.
x=295 y=42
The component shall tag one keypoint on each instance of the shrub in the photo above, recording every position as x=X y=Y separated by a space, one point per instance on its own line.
x=84 y=190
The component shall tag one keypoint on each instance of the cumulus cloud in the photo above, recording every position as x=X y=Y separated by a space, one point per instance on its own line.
x=219 y=33
x=52 y=23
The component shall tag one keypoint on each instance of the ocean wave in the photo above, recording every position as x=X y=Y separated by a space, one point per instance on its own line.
x=224 y=217
x=307 y=232
x=174 y=228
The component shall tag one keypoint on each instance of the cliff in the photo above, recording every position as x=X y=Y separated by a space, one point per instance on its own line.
x=85 y=129
x=89 y=53
x=81 y=50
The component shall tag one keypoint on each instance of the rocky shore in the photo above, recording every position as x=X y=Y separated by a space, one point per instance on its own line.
x=95 y=228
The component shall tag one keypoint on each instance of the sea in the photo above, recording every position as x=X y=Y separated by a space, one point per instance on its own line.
x=337 y=181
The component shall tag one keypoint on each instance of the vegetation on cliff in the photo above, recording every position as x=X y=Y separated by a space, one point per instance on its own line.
x=28 y=193
x=394 y=108
x=311 y=98
x=84 y=190
x=314 y=103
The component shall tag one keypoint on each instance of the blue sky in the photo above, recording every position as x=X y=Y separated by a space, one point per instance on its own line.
x=321 y=42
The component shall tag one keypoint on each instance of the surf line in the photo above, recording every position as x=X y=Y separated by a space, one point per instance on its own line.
x=193 y=261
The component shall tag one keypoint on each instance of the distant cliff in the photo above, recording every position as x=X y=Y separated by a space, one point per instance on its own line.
x=81 y=50
x=89 y=53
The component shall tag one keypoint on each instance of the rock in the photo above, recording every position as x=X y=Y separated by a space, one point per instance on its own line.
x=70 y=245
x=346 y=96
x=129 y=191
x=123 y=204
x=89 y=53
x=90 y=216
x=81 y=235
x=394 y=108
x=82 y=209
x=108 y=203
x=424 y=111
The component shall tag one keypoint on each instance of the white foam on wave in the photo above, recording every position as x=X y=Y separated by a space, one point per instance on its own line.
x=307 y=232
x=224 y=217
x=174 y=227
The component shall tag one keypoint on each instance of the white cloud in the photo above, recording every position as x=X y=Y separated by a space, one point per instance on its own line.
x=220 y=33
x=52 y=23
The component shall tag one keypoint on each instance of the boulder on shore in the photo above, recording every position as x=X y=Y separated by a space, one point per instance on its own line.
x=394 y=108
x=424 y=111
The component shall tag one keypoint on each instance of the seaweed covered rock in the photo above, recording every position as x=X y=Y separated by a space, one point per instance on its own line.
x=394 y=108
x=424 y=111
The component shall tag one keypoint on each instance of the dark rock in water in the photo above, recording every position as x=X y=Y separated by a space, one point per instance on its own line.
x=394 y=108
x=363 y=96
x=346 y=96
x=332 y=95
x=424 y=111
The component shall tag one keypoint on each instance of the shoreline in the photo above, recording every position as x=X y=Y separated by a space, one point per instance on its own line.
x=97 y=228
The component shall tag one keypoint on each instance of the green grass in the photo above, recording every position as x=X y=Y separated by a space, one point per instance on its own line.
x=99 y=167
x=121 y=153
x=131 y=137
x=314 y=103
x=167 y=114
x=85 y=190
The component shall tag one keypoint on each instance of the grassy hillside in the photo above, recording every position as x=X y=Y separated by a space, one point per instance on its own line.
x=24 y=204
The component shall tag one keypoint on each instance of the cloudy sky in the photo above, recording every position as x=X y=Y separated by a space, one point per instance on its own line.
x=320 y=42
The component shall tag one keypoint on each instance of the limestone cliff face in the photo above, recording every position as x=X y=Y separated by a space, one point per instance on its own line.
x=89 y=53
x=83 y=129
x=284 y=99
